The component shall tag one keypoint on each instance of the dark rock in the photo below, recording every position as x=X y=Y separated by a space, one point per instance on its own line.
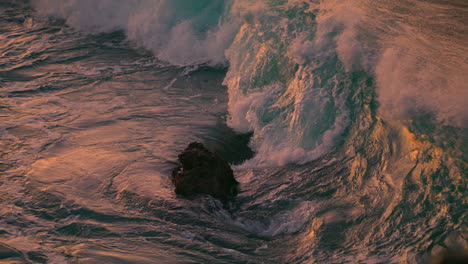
x=204 y=172
x=451 y=257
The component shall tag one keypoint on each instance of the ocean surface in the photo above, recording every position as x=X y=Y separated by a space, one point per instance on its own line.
x=345 y=122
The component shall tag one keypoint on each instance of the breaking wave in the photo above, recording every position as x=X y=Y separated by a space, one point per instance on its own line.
x=301 y=73
x=354 y=109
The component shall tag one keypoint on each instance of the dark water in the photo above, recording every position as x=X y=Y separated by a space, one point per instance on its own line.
x=357 y=133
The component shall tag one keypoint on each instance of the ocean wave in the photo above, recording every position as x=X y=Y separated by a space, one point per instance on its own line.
x=300 y=70
x=179 y=32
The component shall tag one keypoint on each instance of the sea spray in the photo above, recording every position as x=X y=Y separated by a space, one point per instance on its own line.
x=293 y=64
x=177 y=31
x=357 y=160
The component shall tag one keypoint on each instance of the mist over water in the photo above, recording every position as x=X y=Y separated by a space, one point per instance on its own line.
x=419 y=63
x=180 y=32
x=354 y=110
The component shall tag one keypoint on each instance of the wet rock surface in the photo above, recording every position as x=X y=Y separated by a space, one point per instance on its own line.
x=204 y=172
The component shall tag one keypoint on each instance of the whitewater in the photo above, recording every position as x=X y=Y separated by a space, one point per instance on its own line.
x=345 y=122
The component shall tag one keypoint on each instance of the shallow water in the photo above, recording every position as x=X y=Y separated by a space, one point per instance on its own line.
x=91 y=125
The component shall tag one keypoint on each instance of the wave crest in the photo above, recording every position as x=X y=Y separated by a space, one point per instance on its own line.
x=177 y=31
x=299 y=70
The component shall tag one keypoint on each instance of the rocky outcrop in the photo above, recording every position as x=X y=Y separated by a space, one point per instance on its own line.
x=204 y=172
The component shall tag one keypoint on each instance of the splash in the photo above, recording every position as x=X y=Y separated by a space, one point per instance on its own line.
x=300 y=71
x=177 y=31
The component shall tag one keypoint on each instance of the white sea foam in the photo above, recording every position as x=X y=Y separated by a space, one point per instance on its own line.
x=287 y=222
x=420 y=66
x=284 y=83
x=177 y=31
x=410 y=86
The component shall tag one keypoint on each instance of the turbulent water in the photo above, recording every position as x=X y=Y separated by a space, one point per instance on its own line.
x=345 y=121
